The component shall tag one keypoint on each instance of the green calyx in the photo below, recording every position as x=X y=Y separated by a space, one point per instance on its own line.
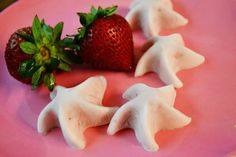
x=49 y=53
x=86 y=19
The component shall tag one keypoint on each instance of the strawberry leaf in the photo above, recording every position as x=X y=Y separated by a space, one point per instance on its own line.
x=54 y=63
x=106 y=12
x=42 y=22
x=28 y=47
x=26 y=37
x=46 y=34
x=82 y=33
x=36 y=78
x=49 y=52
x=36 y=30
x=83 y=19
x=69 y=43
x=93 y=11
x=101 y=12
x=64 y=66
x=67 y=57
x=111 y=10
x=38 y=58
x=27 y=68
x=86 y=19
x=57 y=31
x=49 y=81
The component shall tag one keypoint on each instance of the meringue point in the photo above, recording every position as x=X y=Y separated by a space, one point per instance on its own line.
x=166 y=56
x=76 y=109
x=148 y=111
x=153 y=16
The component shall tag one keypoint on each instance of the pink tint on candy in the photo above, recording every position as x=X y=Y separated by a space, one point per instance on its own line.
x=208 y=95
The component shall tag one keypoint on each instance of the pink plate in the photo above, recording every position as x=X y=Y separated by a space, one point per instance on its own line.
x=208 y=95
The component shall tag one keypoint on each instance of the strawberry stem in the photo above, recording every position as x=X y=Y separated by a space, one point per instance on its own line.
x=49 y=53
x=86 y=19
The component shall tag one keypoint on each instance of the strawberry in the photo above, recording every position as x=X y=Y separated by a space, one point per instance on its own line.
x=105 y=39
x=34 y=54
x=14 y=55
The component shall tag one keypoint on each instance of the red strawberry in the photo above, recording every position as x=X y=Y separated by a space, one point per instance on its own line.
x=14 y=55
x=105 y=40
x=33 y=54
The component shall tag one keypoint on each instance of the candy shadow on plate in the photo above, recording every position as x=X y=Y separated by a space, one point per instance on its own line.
x=167 y=139
x=179 y=137
x=31 y=105
x=127 y=136
x=95 y=136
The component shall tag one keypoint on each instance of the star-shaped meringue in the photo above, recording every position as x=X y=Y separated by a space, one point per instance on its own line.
x=166 y=56
x=76 y=109
x=153 y=16
x=148 y=111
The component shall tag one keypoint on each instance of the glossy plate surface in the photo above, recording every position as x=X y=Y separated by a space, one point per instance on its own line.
x=208 y=95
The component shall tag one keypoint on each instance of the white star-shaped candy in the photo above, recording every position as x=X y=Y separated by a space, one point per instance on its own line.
x=153 y=16
x=76 y=109
x=166 y=56
x=148 y=111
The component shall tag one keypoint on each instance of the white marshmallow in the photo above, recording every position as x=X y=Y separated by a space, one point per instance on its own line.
x=153 y=16
x=166 y=56
x=76 y=109
x=148 y=111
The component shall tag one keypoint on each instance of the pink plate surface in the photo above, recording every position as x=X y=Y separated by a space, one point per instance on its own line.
x=208 y=95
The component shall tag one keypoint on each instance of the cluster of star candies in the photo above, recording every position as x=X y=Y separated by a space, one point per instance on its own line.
x=165 y=55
